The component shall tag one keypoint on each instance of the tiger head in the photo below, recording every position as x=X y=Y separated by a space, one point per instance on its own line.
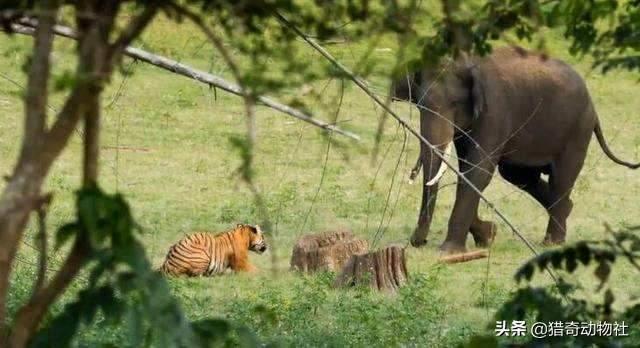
x=256 y=238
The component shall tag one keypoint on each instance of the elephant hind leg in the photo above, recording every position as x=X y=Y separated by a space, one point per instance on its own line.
x=483 y=232
x=564 y=172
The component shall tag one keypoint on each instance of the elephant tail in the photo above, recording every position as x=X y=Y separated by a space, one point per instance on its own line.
x=603 y=144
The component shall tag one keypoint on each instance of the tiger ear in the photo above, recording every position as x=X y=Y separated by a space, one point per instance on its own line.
x=238 y=225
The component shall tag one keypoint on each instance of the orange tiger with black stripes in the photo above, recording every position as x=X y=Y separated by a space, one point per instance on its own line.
x=205 y=254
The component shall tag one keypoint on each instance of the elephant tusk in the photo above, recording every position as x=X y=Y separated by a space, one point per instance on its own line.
x=442 y=169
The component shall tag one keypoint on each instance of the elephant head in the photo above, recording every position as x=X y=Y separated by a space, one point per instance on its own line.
x=449 y=99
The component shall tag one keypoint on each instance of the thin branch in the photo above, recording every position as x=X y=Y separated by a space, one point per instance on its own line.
x=91 y=142
x=399 y=57
x=42 y=242
x=23 y=88
x=380 y=232
x=404 y=124
x=247 y=94
x=66 y=121
x=132 y=31
x=29 y=316
x=326 y=160
x=165 y=63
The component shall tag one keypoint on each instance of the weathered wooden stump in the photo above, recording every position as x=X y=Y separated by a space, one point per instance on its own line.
x=327 y=251
x=384 y=269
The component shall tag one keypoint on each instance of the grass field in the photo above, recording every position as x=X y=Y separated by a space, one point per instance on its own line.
x=176 y=167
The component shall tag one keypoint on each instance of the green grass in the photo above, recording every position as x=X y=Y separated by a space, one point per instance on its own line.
x=184 y=180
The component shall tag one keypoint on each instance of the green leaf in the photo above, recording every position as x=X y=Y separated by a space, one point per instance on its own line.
x=543 y=261
x=583 y=253
x=602 y=272
x=556 y=259
x=64 y=81
x=247 y=337
x=211 y=330
x=64 y=233
x=571 y=262
x=526 y=272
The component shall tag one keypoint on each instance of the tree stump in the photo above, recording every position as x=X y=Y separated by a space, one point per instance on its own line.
x=384 y=270
x=327 y=251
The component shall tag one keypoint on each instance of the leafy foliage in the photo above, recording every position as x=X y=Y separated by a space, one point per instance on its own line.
x=606 y=29
x=122 y=284
x=562 y=302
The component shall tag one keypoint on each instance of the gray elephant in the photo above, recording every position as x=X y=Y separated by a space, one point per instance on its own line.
x=521 y=112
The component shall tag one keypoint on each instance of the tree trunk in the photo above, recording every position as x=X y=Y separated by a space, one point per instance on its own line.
x=327 y=251
x=384 y=270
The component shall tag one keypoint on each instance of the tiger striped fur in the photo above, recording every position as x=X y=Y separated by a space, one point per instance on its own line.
x=205 y=254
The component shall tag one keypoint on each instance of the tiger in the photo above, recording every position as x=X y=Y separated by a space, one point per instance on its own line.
x=206 y=254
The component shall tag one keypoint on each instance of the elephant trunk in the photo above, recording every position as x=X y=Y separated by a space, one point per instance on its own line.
x=432 y=168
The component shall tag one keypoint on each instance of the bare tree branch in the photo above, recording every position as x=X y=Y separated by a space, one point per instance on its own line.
x=247 y=94
x=131 y=32
x=198 y=75
x=42 y=242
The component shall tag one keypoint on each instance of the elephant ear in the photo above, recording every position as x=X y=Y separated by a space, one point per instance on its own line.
x=478 y=99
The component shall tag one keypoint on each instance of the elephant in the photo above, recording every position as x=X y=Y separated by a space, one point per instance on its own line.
x=525 y=113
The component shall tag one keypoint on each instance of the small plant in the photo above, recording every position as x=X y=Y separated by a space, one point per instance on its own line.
x=563 y=302
x=311 y=313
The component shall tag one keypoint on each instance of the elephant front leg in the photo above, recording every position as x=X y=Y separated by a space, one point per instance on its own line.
x=466 y=207
x=429 y=195
x=483 y=232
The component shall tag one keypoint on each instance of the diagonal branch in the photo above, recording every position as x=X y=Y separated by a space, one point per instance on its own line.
x=404 y=124
x=132 y=31
x=26 y=28
x=58 y=135
x=247 y=95
x=43 y=205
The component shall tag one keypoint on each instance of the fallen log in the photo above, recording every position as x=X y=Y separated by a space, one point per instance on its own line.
x=464 y=257
x=383 y=270
x=327 y=251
